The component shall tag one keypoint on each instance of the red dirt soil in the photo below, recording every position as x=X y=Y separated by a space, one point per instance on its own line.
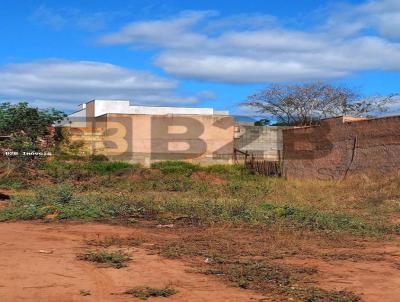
x=38 y=263
x=373 y=280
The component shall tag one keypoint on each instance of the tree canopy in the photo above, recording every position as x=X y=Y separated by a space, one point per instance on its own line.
x=305 y=104
x=21 y=118
x=26 y=125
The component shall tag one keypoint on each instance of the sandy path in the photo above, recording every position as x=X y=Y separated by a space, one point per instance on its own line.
x=26 y=274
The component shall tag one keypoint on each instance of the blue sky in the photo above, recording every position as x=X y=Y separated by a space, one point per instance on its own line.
x=192 y=53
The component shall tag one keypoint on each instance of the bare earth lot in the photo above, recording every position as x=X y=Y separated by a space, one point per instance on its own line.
x=29 y=272
x=38 y=263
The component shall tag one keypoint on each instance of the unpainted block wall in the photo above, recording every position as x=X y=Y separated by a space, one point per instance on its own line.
x=342 y=146
x=262 y=142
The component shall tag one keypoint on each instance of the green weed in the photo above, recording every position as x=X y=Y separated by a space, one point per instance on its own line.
x=145 y=292
x=177 y=167
x=117 y=259
x=105 y=167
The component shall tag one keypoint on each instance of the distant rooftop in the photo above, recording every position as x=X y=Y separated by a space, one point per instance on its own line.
x=102 y=107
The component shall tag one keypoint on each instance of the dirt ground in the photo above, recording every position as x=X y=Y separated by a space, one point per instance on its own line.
x=38 y=263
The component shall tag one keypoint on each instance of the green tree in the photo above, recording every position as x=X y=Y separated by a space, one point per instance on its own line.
x=26 y=125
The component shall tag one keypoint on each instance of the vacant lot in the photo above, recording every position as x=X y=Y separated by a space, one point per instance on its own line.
x=109 y=231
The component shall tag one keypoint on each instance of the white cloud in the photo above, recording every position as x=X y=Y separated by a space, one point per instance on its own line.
x=201 y=45
x=382 y=16
x=167 y=33
x=67 y=83
x=237 y=69
x=74 y=18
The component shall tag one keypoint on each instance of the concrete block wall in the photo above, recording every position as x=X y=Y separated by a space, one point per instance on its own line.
x=262 y=142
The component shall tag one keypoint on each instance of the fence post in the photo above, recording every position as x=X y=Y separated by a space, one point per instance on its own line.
x=280 y=163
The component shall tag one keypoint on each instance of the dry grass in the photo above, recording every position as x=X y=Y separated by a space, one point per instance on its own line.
x=250 y=257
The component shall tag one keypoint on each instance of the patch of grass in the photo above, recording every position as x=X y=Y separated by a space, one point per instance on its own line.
x=60 y=170
x=105 y=167
x=177 y=167
x=227 y=170
x=268 y=277
x=351 y=257
x=318 y=220
x=11 y=183
x=173 y=182
x=68 y=203
x=320 y=295
x=116 y=259
x=175 y=250
x=145 y=292
x=254 y=274
x=247 y=259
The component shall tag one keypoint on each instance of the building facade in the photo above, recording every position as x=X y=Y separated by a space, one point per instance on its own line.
x=149 y=134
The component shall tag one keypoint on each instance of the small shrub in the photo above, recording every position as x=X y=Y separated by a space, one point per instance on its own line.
x=115 y=259
x=57 y=194
x=145 y=292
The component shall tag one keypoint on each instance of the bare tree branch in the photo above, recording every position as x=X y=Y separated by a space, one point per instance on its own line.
x=309 y=103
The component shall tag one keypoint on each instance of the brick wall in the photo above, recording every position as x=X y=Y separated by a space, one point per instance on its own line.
x=342 y=146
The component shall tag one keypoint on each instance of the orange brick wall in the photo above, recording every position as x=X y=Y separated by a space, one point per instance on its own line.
x=340 y=147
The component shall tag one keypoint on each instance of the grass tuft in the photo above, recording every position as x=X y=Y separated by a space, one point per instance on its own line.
x=145 y=292
x=117 y=259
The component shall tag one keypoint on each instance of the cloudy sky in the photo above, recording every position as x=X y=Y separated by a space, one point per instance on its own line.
x=192 y=53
